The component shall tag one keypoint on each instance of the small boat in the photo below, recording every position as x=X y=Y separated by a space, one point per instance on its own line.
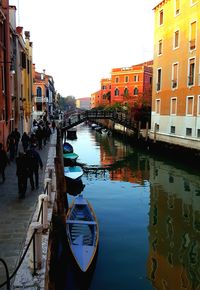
x=74 y=186
x=73 y=172
x=82 y=232
x=71 y=133
x=70 y=159
x=67 y=148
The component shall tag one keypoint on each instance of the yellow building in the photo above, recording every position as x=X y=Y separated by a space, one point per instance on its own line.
x=176 y=73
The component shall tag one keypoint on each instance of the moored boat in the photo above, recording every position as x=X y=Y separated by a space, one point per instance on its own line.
x=73 y=172
x=82 y=232
x=70 y=159
x=67 y=148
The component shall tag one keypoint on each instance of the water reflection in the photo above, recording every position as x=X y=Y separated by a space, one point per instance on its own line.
x=174 y=228
x=158 y=245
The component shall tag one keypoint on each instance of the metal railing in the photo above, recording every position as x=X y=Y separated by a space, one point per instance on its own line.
x=40 y=215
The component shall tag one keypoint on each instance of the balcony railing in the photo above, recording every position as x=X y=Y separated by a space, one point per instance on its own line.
x=174 y=84
x=38 y=99
x=158 y=85
x=192 y=44
x=190 y=80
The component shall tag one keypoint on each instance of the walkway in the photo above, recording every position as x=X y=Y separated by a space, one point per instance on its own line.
x=16 y=214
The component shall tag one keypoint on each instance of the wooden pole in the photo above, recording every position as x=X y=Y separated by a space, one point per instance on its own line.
x=147 y=130
x=155 y=127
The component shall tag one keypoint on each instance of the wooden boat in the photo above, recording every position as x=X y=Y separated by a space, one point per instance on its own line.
x=73 y=172
x=82 y=232
x=67 y=148
x=70 y=159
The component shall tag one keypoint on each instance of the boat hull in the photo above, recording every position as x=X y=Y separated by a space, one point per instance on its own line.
x=82 y=232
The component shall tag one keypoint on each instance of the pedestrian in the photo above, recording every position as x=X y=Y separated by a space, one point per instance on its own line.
x=3 y=162
x=53 y=125
x=16 y=136
x=11 y=145
x=36 y=162
x=22 y=173
x=39 y=136
x=25 y=141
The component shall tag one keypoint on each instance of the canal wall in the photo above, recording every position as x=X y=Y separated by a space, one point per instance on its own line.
x=24 y=278
x=140 y=139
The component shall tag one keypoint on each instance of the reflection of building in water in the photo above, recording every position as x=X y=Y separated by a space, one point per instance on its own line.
x=125 y=166
x=174 y=228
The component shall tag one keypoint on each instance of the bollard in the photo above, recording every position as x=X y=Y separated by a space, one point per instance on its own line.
x=43 y=198
x=35 y=261
x=48 y=182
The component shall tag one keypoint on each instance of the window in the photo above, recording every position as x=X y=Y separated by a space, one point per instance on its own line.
x=126 y=79
x=188 y=131
x=177 y=7
x=198 y=133
x=160 y=47
x=172 y=129
x=157 y=106
x=159 y=76
x=189 y=105
x=191 y=71
x=176 y=39
x=173 y=106
x=116 y=80
x=193 y=28
x=135 y=91
x=198 y=104
x=161 y=17
x=39 y=92
x=174 y=75
x=116 y=92
x=135 y=78
x=126 y=92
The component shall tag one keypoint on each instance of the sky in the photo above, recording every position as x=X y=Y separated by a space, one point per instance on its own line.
x=79 y=42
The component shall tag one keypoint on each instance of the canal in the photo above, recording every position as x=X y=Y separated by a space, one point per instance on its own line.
x=148 y=210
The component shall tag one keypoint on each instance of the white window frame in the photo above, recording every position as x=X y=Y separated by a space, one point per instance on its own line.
x=198 y=105
x=156 y=106
x=159 y=68
x=160 y=24
x=187 y=98
x=193 y=3
x=160 y=52
x=173 y=114
x=176 y=47
x=175 y=9
x=190 y=31
x=173 y=64
x=189 y=71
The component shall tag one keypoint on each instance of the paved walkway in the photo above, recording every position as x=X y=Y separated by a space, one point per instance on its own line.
x=16 y=214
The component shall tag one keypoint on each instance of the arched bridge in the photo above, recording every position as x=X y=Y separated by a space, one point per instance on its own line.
x=92 y=115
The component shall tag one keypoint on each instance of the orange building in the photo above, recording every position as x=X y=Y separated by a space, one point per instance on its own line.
x=175 y=92
x=5 y=73
x=128 y=85
x=132 y=84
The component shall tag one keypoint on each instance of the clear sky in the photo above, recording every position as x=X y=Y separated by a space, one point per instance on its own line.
x=78 y=42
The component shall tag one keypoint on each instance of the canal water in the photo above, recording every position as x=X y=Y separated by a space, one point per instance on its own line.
x=148 y=210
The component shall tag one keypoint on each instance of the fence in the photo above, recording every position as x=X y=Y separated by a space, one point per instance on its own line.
x=41 y=225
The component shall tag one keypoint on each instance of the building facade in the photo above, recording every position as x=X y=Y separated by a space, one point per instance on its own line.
x=176 y=70
x=132 y=85
x=127 y=86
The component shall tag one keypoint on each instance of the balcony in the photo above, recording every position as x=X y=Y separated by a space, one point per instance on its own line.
x=158 y=85
x=192 y=44
x=38 y=99
x=174 y=84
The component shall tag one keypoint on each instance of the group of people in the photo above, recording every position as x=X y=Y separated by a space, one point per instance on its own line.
x=28 y=164
x=29 y=161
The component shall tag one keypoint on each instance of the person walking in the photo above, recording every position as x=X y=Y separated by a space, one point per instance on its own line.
x=25 y=141
x=11 y=145
x=36 y=161
x=22 y=173
x=53 y=125
x=3 y=162
x=16 y=136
